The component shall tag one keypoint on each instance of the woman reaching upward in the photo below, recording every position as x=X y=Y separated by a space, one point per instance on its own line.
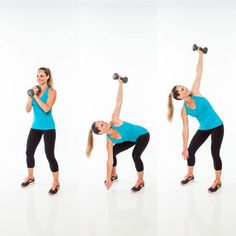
x=121 y=136
x=210 y=125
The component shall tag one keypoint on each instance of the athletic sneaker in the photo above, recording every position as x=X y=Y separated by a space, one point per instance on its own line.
x=212 y=190
x=53 y=192
x=140 y=186
x=27 y=182
x=187 y=179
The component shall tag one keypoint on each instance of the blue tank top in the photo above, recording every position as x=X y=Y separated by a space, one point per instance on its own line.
x=205 y=114
x=128 y=132
x=42 y=120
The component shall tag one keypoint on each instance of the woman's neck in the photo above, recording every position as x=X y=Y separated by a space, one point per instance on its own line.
x=110 y=131
x=43 y=86
x=188 y=99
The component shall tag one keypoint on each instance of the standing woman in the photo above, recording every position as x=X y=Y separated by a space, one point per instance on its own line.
x=121 y=136
x=43 y=125
x=210 y=124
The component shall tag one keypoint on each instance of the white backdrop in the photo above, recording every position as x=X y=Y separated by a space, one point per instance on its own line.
x=117 y=37
x=191 y=210
x=35 y=34
x=84 y=43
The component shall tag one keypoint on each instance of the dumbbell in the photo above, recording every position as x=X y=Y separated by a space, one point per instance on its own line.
x=204 y=50
x=30 y=92
x=124 y=79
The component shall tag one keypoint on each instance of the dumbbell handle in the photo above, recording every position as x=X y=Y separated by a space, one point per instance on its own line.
x=30 y=92
x=116 y=76
x=204 y=50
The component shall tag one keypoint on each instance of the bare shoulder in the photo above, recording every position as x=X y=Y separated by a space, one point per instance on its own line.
x=52 y=91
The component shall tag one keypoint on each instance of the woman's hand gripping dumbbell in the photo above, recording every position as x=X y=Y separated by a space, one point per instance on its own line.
x=195 y=47
x=35 y=90
x=117 y=76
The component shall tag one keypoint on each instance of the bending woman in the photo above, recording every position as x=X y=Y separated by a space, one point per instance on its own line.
x=121 y=136
x=210 y=125
x=43 y=125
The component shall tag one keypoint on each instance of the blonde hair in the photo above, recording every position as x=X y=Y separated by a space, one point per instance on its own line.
x=170 y=108
x=89 y=143
x=95 y=130
x=47 y=71
x=175 y=94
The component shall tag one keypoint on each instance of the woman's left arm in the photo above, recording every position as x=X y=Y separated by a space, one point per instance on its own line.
x=109 y=163
x=52 y=94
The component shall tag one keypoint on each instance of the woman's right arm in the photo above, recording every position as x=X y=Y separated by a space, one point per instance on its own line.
x=197 y=82
x=119 y=101
x=185 y=133
x=29 y=104
x=30 y=99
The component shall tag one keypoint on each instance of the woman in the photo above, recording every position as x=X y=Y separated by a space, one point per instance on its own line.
x=210 y=124
x=43 y=125
x=121 y=136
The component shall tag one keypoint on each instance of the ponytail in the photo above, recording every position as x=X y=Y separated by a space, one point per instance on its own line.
x=90 y=143
x=50 y=80
x=175 y=94
x=170 y=108
x=95 y=130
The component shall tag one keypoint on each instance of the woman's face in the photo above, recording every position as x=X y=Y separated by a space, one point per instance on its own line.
x=42 y=78
x=102 y=126
x=183 y=91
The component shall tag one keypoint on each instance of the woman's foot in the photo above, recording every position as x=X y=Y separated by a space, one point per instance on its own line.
x=54 y=189
x=28 y=181
x=187 y=179
x=215 y=186
x=138 y=186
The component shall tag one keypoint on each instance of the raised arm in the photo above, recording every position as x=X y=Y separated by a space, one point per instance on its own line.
x=109 y=163
x=119 y=101
x=185 y=133
x=199 y=69
x=49 y=103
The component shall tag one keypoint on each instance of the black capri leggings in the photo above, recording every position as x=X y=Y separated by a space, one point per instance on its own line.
x=140 y=145
x=49 y=142
x=200 y=137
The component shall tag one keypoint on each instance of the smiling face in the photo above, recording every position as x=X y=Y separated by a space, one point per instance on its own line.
x=182 y=92
x=101 y=127
x=42 y=78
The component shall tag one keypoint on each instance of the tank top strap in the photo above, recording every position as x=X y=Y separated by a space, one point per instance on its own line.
x=47 y=90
